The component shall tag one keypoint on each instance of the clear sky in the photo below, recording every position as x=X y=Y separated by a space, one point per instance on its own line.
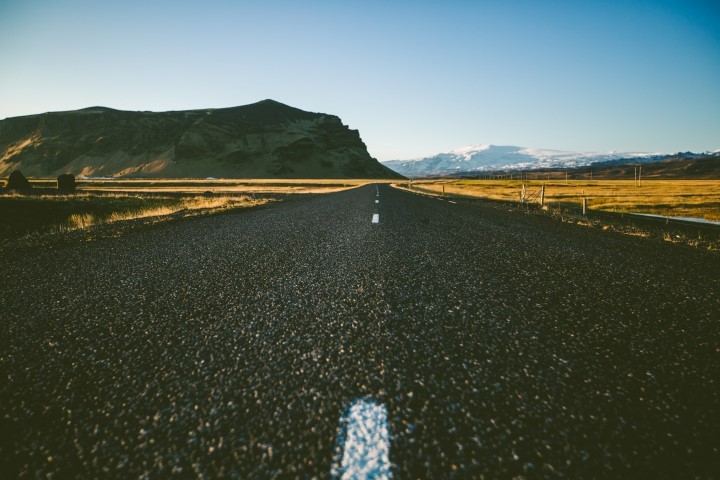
x=415 y=77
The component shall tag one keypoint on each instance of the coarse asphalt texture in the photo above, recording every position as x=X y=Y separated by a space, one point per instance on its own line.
x=501 y=345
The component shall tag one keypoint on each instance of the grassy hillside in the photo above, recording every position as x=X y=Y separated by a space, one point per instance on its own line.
x=705 y=168
x=263 y=140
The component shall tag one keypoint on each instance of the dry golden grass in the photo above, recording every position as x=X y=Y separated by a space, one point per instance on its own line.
x=216 y=186
x=189 y=205
x=679 y=198
x=104 y=201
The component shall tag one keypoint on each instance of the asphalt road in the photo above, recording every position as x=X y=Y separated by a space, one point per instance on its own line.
x=493 y=343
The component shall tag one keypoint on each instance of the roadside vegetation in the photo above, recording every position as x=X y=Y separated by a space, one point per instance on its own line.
x=673 y=198
x=216 y=186
x=41 y=206
x=607 y=204
x=22 y=214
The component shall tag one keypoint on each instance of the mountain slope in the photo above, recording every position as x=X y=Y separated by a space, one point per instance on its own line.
x=678 y=166
x=263 y=140
x=487 y=158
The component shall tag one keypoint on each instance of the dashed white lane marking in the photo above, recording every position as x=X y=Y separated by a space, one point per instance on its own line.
x=364 y=443
x=377 y=201
x=376 y=218
x=451 y=201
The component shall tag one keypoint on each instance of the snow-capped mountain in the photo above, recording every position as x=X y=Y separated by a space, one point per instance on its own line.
x=486 y=158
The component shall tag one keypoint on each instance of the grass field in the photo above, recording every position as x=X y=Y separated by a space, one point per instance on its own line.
x=22 y=215
x=218 y=186
x=675 y=198
x=99 y=202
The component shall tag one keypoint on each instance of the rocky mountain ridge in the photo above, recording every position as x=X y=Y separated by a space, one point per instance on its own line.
x=263 y=140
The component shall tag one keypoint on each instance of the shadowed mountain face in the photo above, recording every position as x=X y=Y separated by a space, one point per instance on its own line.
x=263 y=140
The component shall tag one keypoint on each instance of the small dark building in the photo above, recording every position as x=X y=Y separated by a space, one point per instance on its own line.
x=66 y=182
x=17 y=181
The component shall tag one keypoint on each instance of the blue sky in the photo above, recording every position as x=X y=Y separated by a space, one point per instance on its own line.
x=415 y=77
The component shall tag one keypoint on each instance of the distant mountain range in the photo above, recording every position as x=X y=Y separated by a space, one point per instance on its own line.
x=477 y=159
x=263 y=140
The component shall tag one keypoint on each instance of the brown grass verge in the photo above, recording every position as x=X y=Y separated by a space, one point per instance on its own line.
x=681 y=198
x=191 y=205
x=216 y=186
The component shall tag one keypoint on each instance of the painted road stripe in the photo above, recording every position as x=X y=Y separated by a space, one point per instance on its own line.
x=363 y=444
x=376 y=218
x=451 y=201
x=377 y=201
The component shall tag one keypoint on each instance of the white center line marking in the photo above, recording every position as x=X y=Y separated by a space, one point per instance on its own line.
x=376 y=218
x=451 y=201
x=364 y=442
x=377 y=201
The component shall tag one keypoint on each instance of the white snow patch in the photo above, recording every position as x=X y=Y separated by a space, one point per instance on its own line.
x=468 y=151
x=487 y=157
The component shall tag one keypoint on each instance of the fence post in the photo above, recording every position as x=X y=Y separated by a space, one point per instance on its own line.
x=522 y=194
x=443 y=191
x=584 y=205
x=542 y=196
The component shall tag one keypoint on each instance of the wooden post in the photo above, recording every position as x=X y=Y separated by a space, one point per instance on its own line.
x=584 y=206
x=443 y=190
x=522 y=194
x=639 y=175
x=542 y=196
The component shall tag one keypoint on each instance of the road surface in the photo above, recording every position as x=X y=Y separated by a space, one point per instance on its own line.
x=370 y=329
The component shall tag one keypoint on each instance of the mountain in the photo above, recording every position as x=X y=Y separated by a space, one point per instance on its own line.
x=686 y=166
x=493 y=158
x=263 y=140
